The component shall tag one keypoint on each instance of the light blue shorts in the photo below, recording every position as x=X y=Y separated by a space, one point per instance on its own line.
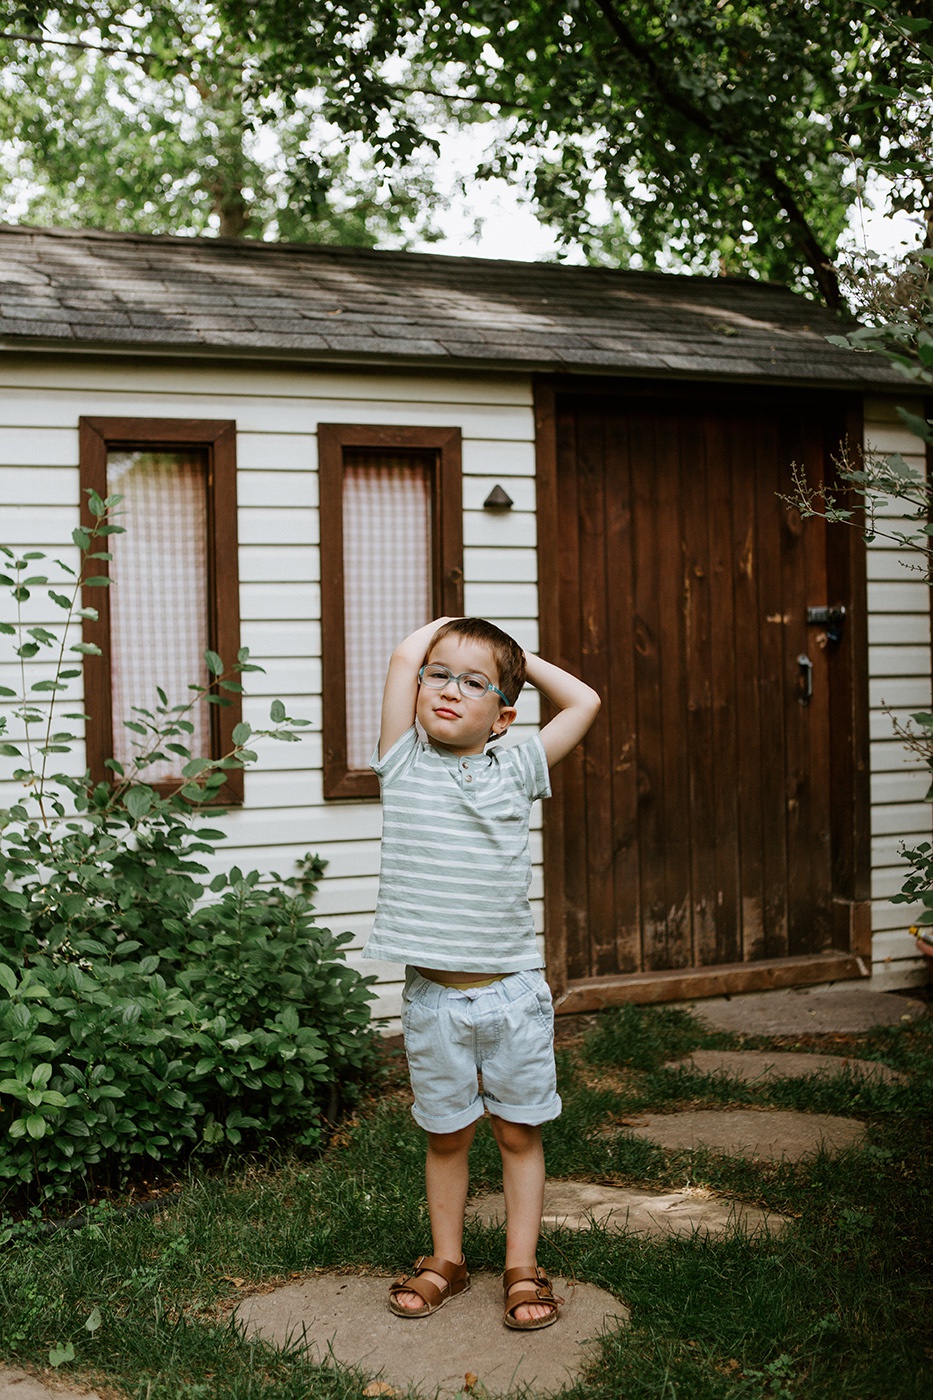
x=506 y=1030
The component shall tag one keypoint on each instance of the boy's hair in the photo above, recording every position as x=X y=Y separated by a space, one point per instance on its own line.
x=509 y=656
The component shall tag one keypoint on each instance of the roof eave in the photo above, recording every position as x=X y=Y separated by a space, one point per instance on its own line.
x=876 y=378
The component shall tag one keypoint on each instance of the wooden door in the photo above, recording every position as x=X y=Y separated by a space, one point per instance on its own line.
x=704 y=832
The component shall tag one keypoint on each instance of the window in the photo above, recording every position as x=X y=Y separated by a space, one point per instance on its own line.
x=391 y=558
x=174 y=584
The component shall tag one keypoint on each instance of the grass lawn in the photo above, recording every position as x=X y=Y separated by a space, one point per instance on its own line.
x=838 y=1306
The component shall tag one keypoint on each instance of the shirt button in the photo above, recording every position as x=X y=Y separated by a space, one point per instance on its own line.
x=468 y=778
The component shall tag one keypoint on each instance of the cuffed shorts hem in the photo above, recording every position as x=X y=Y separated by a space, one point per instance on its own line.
x=531 y=1117
x=452 y=1124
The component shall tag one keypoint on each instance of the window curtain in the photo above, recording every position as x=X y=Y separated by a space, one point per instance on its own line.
x=158 y=596
x=387 y=578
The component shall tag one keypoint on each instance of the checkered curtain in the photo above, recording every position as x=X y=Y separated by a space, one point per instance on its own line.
x=386 y=578
x=158 y=596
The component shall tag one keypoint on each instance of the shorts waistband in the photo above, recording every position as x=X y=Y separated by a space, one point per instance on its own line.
x=441 y=981
x=510 y=987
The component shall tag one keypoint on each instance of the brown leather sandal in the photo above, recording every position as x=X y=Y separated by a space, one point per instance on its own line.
x=458 y=1281
x=540 y=1292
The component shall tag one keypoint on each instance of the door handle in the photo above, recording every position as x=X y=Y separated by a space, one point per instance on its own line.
x=806 y=676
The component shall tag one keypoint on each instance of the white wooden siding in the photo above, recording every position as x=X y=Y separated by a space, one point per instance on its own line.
x=899 y=683
x=277 y=412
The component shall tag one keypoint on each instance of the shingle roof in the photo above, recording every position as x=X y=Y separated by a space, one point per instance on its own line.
x=356 y=305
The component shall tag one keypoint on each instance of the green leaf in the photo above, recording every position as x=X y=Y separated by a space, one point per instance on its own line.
x=7 y=979
x=97 y=581
x=5 y=690
x=86 y=649
x=36 y=1125
x=93 y=1321
x=60 y=1355
x=214 y=663
x=9 y=751
x=81 y=537
x=60 y=599
x=242 y=732
x=277 y=712
x=196 y=766
x=918 y=426
x=138 y=801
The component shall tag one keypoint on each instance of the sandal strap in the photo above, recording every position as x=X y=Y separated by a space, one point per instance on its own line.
x=525 y=1273
x=453 y=1273
x=540 y=1292
x=426 y=1290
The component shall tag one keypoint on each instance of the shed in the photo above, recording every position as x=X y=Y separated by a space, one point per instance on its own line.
x=309 y=440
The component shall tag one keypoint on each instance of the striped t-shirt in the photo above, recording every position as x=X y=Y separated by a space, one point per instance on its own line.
x=455 y=872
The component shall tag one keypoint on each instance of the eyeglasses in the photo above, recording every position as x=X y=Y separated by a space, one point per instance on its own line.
x=470 y=685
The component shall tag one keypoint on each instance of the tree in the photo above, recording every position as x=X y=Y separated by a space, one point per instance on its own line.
x=151 y=124
x=719 y=135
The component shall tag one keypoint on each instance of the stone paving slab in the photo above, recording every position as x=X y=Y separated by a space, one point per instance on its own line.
x=344 y=1318
x=775 y=1135
x=841 y=1007
x=20 y=1385
x=576 y=1205
x=761 y=1066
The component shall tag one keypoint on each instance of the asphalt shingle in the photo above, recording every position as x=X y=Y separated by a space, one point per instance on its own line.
x=362 y=305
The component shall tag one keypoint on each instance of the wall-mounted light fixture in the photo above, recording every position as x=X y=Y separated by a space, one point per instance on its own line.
x=498 y=500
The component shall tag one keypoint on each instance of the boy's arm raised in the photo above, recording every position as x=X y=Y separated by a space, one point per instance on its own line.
x=577 y=704
x=401 y=690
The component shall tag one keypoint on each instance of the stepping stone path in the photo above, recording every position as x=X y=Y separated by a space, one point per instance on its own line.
x=842 y=1009
x=761 y=1066
x=19 y=1385
x=577 y=1205
x=344 y=1318
x=774 y=1135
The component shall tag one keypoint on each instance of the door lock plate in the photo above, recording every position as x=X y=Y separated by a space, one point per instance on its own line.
x=831 y=619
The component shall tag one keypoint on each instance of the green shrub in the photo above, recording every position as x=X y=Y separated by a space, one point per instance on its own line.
x=255 y=1023
x=143 y=1014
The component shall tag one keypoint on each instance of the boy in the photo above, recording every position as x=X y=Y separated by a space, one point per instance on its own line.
x=453 y=905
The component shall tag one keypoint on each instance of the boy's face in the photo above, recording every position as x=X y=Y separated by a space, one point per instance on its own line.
x=450 y=720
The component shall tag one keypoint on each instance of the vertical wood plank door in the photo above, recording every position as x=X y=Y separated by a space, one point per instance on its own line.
x=704 y=823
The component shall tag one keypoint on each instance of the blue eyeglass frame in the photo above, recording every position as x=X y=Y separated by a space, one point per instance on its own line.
x=458 y=679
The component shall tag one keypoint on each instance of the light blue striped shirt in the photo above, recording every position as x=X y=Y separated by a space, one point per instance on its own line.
x=456 y=869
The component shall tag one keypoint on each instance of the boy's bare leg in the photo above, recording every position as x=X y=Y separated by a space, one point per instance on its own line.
x=523 y=1185
x=447 y=1178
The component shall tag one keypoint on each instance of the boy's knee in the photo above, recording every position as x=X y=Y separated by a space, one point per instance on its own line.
x=515 y=1137
x=450 y=1144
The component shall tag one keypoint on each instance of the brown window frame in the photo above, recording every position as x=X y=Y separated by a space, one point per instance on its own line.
x=441 y=448
x=97 y=436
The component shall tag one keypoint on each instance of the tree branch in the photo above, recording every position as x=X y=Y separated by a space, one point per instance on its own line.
x=43 y=39
x=677 y=101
